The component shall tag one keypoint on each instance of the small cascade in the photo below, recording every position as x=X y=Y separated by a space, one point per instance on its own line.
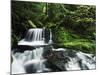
x=17 y=66
x=87 y=60
x=76 y=60
x=38 y=53
x=39 y=58
x=50 y=41
x=72 y=64
x=34 y=37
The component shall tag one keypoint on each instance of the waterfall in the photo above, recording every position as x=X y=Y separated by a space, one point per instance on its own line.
x=17 y=66
x=34 y=37
x=38 y=53
x=50 y=41
x=33 y=61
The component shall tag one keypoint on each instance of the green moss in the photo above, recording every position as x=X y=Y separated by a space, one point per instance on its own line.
x=66 y=38
x=81 y=45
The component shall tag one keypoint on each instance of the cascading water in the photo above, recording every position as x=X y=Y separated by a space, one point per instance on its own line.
x=32 y=61
x=34 y=37
x=77 y=60
x=50 y=41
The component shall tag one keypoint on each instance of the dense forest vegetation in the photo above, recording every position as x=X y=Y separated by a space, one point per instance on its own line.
x=73 y=26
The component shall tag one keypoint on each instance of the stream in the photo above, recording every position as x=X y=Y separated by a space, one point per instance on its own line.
x=34 y=55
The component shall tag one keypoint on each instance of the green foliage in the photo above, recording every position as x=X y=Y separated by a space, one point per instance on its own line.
x=73 y=26
x=66 y=38
x=62 y=35
x=14 y=40
x=81 y=44
x=32 y=24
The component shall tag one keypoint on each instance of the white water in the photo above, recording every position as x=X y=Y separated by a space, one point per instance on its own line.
x=38 y=53
x=34 y=37
x=34 y=59
x=88 y=62
x=87 y=59
x=17 y=66
x=50 y=41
